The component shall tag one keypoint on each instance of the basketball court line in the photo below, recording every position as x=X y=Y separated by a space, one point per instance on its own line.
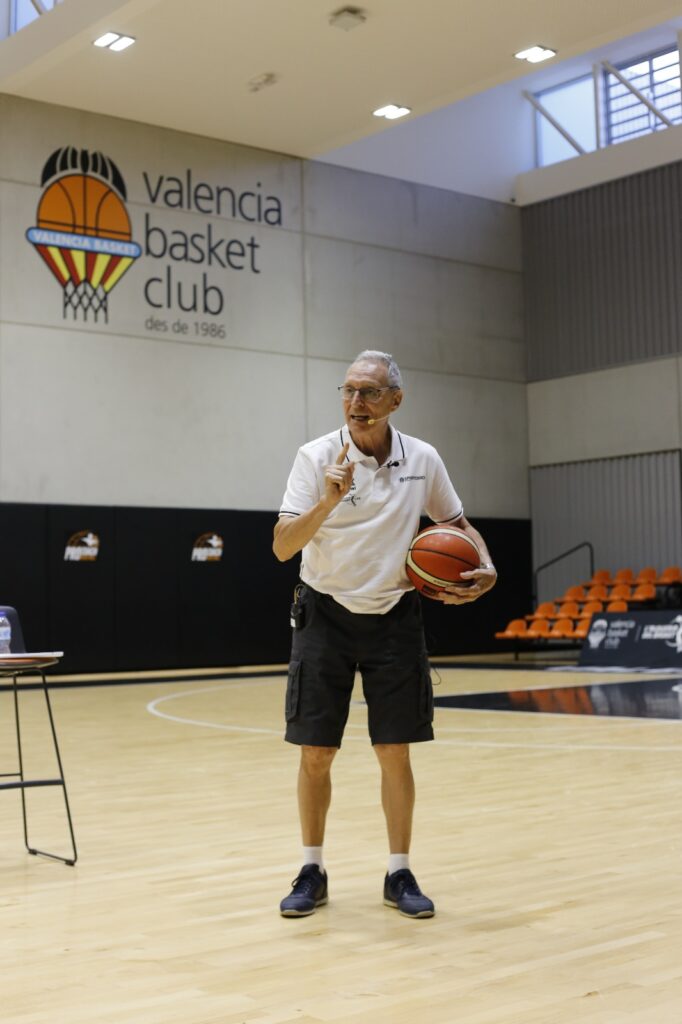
x=153 y=708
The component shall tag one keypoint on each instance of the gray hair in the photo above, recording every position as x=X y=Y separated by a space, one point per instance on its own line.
x=393 y=374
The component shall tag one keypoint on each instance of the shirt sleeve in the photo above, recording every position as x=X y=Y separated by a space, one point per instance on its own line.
x=303 y=490
x=443 y=504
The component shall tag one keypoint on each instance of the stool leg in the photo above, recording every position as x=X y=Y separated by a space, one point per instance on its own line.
x=71 y=862
x=60 y=781
x=15 y=693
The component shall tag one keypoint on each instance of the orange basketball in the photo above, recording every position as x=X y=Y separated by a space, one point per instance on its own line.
x=82 y=205
x=437 y=557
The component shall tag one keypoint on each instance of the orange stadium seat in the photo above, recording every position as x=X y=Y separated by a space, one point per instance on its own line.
x=515 y=630
x=597 y=593
x=582 y=629
x=621 y=592
x=574 y=593
x=644 y=592
x=538 y=630
x=545 y=610
x=599 y=576
x=616 y=606
x=624 y=576
x=673 y=574
x=562 y=629
x=646 y=575
x=590 y=608
x=569 y=610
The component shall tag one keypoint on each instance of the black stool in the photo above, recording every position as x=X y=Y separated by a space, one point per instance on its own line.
x=20 y=663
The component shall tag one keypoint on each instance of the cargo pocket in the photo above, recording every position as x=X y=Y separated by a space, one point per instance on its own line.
x=426 y=691
x=293 y=695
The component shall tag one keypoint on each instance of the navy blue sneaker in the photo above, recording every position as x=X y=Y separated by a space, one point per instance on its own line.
x=308 y=892
x=402 y=892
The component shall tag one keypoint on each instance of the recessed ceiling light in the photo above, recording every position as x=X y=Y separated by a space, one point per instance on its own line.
x=347 y=18
x=262 y=81
x=123 y=43
x=391 y=111
x=114 y=41
x=534 y=54
x=107 y=39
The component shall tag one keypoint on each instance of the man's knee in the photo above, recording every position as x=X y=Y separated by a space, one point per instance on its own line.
x=392 y=755
x=317 y=761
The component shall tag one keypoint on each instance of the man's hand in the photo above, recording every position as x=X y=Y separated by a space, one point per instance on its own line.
x=338 y=479
x=483 y=581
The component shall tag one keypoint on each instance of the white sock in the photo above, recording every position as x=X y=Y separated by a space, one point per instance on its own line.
x=398 y=861
x=313 y=855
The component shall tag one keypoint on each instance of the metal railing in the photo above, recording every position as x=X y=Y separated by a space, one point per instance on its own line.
x=600 y=112
x=559 y=558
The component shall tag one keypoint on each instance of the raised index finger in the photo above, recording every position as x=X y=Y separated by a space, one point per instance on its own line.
x=342 y=454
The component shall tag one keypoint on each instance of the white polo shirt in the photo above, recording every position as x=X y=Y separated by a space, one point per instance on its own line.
x=358 y=554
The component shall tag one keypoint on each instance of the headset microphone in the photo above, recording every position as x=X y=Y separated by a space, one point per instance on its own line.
x=371 y=423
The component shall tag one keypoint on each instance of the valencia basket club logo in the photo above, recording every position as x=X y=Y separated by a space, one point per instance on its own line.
x=83 y=229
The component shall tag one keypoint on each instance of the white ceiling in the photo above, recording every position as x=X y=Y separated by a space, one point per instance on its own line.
x=193 y=59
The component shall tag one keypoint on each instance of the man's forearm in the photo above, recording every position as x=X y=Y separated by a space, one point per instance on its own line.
x=292 y=533
x=472 y=532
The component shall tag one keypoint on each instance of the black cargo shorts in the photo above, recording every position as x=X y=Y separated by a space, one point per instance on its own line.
x=388 y=650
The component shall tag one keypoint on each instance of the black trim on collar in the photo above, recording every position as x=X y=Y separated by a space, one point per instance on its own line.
x=402 y=446
x=350 y=439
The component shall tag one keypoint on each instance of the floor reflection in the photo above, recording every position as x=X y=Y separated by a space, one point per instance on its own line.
x=646 y=698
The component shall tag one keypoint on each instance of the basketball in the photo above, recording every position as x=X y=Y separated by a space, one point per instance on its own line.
x=82 y=205
x=437 y=557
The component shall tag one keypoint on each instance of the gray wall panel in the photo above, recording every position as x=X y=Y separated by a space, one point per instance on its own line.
x=172 y=403
x=602 y=271
x=629 y=508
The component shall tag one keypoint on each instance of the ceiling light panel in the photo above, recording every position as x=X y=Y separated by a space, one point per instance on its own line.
x=122 y=43
x=391 y=111
x=107 y=39
x=114 y=41
x=535 y=54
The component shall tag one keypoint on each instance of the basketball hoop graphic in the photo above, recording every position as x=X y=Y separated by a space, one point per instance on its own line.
x=83 y=230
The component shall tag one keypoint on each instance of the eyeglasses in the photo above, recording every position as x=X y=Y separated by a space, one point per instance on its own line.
x=366 y=394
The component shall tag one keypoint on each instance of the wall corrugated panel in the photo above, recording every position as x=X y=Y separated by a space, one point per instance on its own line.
x=602 y=272
x=629 y=508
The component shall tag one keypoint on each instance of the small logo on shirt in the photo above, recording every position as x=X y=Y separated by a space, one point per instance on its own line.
x=405 y=479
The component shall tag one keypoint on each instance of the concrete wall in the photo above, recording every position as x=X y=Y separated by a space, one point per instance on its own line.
x=157 y=406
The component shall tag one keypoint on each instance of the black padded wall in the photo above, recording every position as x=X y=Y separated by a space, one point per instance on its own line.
x=146 y=589
x=81 y=593
x=24 y=569
x=144 y=603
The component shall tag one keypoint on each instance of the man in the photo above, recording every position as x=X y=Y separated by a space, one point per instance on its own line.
x=352 y=505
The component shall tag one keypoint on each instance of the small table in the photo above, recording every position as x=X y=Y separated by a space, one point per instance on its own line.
x=16 y=666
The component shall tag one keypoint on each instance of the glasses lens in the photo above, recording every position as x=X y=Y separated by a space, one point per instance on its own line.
x=366 y=394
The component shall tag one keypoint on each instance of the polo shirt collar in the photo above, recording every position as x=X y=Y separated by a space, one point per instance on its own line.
x=398 y=448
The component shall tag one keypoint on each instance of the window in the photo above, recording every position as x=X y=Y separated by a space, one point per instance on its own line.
x=658 y=78
x=572 y=105
x=24 y=12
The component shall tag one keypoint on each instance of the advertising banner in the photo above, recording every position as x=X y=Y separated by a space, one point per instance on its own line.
x=635 y=640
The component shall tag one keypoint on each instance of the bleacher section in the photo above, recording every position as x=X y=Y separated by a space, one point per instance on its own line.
x=566 y=619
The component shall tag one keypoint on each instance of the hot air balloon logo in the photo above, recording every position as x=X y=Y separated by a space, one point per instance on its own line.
x=83 y=229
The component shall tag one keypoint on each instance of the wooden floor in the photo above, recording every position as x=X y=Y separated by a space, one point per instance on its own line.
x=551 y=846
